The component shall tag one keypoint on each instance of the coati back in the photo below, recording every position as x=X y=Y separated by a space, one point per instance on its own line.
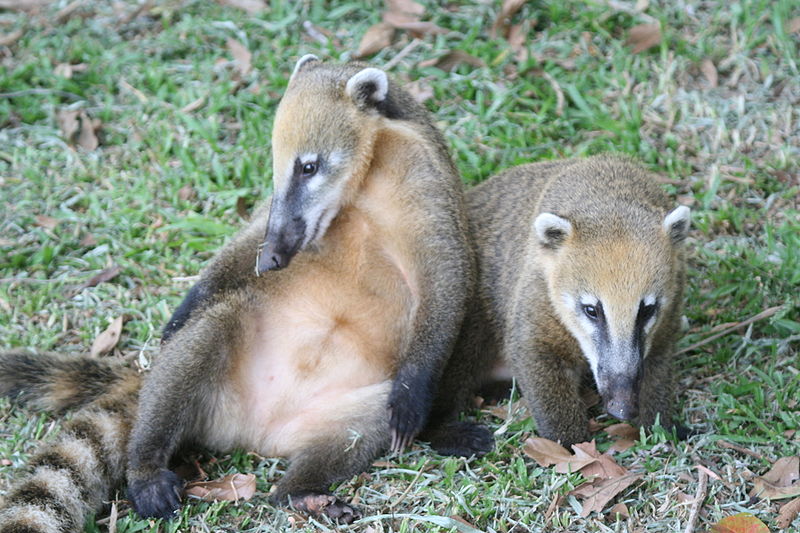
x=580 y=267
x=327 y=348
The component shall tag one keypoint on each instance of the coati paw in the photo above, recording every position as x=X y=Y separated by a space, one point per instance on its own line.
x=408 y=413
x=462 y=438
x=321 y=504
x=683 y=432
x=158 y=496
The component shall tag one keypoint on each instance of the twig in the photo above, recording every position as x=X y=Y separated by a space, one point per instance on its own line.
x=407 y=49
x=557 y=89
x=760 y=316
x=699 y=496
x=751 y=453
x=408 y=488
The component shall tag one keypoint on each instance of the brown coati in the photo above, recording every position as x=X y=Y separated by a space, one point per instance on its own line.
x=321 y=341
x=580 y=267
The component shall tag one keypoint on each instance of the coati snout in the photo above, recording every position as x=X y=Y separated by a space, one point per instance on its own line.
x=281 y=243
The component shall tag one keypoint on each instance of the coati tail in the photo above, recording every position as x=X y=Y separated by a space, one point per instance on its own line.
x=55 y=382
x=74 y=474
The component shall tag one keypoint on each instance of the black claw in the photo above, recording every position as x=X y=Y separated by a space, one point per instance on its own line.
x=157 y=496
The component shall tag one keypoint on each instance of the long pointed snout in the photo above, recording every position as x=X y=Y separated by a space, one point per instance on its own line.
x=281 y=242
x=622 y=399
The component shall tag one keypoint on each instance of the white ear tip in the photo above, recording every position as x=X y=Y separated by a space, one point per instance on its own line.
x=676 y=223
x=302 y=61
x=551 y=228
x=370 y=75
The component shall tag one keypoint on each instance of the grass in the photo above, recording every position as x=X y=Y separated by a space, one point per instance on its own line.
x=160 y=195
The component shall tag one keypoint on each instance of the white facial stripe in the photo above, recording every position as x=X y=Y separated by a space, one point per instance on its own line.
x=584 y=339
x=650 y=299
x=324 y=209
x=308 y=158
x=588 y=299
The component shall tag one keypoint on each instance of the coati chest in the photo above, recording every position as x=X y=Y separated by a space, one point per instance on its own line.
x=322 y=340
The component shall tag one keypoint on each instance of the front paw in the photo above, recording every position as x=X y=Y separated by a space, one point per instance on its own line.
x=408 y=415
x=157 y=495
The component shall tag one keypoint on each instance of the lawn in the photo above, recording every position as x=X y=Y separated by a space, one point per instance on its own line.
x=136 y=135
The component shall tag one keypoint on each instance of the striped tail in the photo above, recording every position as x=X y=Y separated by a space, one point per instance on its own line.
x=75 y=473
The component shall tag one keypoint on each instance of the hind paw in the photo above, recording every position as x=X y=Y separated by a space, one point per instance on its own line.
x=156 y=496
x=321 y=504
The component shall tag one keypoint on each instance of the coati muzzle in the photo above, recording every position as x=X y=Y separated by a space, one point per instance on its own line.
x=281 y=242
x=621 y=396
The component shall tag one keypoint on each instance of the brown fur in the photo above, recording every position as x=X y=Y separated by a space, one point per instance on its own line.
x=618 y=251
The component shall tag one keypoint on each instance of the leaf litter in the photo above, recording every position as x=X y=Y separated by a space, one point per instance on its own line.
x=108 y=339
x=232 y=487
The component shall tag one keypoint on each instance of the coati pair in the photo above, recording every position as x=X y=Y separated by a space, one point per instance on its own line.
x=322 y=360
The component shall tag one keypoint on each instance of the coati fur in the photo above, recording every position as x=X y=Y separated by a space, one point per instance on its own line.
x=321 y=341
x=581 y=270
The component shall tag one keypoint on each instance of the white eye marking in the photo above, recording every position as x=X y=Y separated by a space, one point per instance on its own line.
x=650 y=299
x=588 y=299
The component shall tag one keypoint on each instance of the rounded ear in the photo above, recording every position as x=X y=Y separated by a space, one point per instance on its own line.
x=368 y=87
x=677 y=222
x=552 y=230
x=306 y=59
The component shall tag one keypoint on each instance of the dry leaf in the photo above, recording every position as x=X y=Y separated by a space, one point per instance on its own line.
x=641 y=5
x=88 y=240
x=713 y=475
x=545 y=452
x=501 y=23
x=794 y=25
x=620 y=509
x=375 y=39
x=643 y=37
x=596 y=494
x=230 y=488
x=194 y=105
x=105 y=275
x=788 y=513
x=241 y=55
x=241 y=208
x=621 y=445
x=452 y=59
x=251 y=6
x=5 y=462
x=623 y=430
x=68 y=123
x=46 y=222
x=517 y=35
x=87 y=138
x=782 y=481
x=603 y=466
x=10 y=38
x=408 y=7
x=740 y=523
x=709 y=71
x=109 y=338
x=585 y=454
x=416 y=27
x=422 y=92
x=23 y=5
x=186 y=192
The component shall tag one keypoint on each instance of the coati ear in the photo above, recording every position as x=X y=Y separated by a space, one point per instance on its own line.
x=368 y=87
x=552 y=230
x=306 y=59
x=676 y=224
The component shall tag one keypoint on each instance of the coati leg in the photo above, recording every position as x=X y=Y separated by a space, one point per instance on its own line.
x=78 y=471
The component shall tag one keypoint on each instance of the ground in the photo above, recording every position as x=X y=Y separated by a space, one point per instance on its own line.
x=137 y=135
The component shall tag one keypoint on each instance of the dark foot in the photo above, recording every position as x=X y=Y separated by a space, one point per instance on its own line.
x=158 y=496
x=495 y=391
x=683 y=432
x=461 y=438
x=321 y=504
x=408 y=411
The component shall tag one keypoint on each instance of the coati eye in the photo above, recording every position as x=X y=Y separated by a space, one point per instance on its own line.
x=646 y=312
x=309 y=169
x=591 y=311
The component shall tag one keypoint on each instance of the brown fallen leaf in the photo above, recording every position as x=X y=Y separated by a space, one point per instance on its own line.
x=68 y=123
x=604 y=466
x=501 y=24
x=422 y=92
x=408 y=7
x=710 y=473
x=186 y=192
x=788 y=512
x=710 y=72
x=87 y=139
x=241 y=55
x=241 y=208
x=229 y=488
x=5 y=462
x=782 y=481
x=794 y=25
x=544 y=451
x=585 y=454
x=375 y=39
x=452 y=59
x=740 y=523
x=251 y=6
x=105 y=275
x=517 y=35
x=46 y=222
x=596 y=494
x=620 y=509
x=623 y=430
x=620 y=445
x=416 y=27
x=194 y=105
x=644 y=37
x=10 y=38
x=109 y=338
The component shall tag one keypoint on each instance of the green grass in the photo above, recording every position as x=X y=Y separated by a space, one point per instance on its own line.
x=730 y=152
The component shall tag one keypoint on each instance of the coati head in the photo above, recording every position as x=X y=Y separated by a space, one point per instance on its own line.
x=322 y=143
x=616 y=285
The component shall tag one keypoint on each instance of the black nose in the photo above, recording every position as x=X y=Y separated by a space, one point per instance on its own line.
x=272 y=260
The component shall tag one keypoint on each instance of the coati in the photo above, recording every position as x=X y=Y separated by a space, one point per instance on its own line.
x=321 y=341
x=580 y=265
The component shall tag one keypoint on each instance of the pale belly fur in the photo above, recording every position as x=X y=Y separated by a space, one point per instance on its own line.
x=317 y=356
